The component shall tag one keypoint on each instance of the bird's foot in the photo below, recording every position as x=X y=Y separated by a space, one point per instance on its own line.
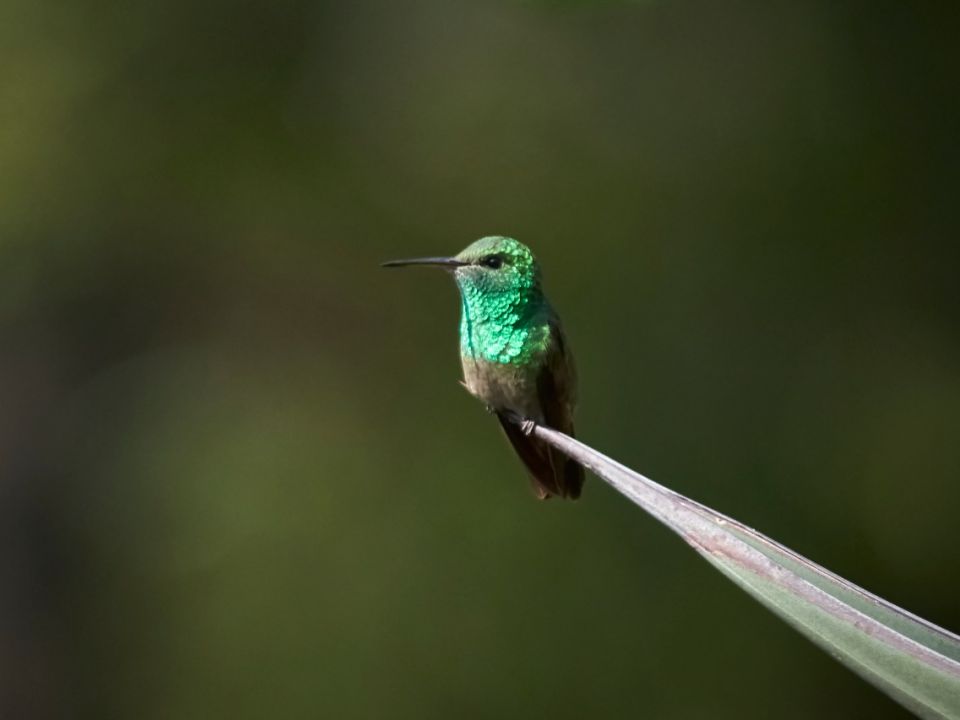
x=527 y=426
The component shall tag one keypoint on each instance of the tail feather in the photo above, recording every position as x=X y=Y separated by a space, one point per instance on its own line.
x=551 y=472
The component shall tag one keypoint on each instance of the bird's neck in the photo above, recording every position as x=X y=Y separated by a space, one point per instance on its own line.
x=501 y=327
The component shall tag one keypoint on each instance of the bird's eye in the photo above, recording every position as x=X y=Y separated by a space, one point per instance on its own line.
x=494 y=262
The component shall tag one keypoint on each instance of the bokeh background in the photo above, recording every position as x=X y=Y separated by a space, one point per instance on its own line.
x=237 y=475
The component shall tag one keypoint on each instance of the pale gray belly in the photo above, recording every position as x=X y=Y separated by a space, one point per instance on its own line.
x=504 y=387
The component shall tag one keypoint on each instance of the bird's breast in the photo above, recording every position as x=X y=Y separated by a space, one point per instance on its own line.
x=503 y=386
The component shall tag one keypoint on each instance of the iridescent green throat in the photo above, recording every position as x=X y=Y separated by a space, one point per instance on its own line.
x=507 y=326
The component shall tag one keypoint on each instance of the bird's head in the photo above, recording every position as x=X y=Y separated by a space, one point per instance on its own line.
x=492 y=265
x=496 y=265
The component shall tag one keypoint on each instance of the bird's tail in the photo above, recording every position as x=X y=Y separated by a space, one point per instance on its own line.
x=551 y=472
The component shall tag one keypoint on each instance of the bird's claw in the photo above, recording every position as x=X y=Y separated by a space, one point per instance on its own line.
x=527 y=426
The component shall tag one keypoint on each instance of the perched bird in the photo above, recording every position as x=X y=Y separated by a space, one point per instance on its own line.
x=514 y=354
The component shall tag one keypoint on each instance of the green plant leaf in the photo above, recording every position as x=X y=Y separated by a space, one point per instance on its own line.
x=913 y=661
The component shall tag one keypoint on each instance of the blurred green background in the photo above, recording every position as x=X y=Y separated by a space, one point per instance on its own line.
x=237 y=475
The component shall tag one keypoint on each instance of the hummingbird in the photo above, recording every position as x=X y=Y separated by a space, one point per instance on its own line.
x=514 y=354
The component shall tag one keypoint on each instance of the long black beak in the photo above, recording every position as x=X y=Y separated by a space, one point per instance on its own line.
x=444 y=262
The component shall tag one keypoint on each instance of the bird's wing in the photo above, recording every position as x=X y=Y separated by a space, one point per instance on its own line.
x=557 y=390
x=551 y=472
